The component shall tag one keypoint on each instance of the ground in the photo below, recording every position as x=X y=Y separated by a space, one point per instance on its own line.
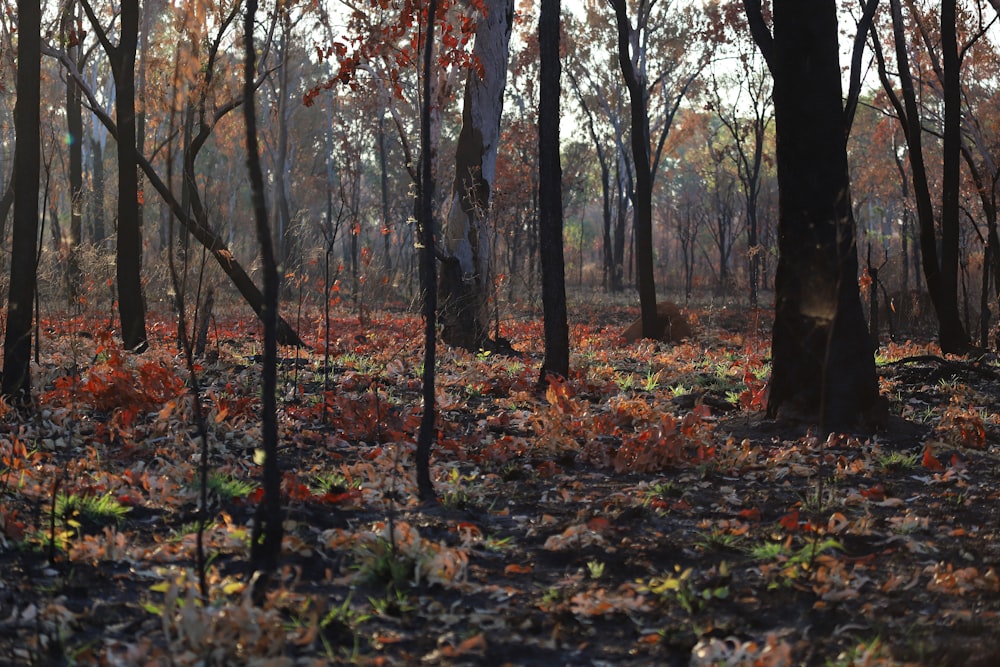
x=641 y=513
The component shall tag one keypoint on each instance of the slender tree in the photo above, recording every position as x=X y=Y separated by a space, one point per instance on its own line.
x=73 y=43
x=428 y=270
x=128 y=256
x=940 y=270
x=265 y=545
x=27 y=162
x=550 y=223
x=629 y=57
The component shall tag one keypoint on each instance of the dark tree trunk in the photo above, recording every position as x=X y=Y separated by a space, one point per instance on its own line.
x=621 y=218
x=428 y=274
x=942 y=277
x=642 y=221
x=823 y=364
x=131 y=305
x=265 y=545
x=550 y=219
x=16 y=384
x=954 y=337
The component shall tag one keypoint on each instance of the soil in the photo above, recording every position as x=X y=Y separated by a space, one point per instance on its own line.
x=644 y=512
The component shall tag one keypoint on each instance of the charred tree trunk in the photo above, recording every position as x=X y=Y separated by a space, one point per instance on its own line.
x=128 y=258
x=265 y=545
x=628 y=53
x=16 y=384
x=550 y=219
x=823 y=356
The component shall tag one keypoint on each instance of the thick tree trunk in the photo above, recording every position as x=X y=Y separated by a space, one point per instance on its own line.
x=16 y=383
x=823 y=364
x=466 y=276
x=550 y=219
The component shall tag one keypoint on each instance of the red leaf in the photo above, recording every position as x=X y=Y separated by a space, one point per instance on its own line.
x=599 y=524
x=875 y=493
x=930 y=461
x=751 y=514
x=790 y=521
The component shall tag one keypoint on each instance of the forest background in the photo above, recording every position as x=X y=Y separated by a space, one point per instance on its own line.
x=101 y=442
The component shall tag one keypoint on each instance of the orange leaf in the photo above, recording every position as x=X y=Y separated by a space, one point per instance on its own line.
x=598 y=524
x=875 y=493
x=515 y=568
x=930 y=461
x=751 y=514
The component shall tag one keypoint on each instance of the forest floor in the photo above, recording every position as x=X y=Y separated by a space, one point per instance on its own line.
x=641 y=513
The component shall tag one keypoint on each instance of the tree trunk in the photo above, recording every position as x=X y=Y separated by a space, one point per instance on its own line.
x=16 y=384
x=550 y=219
x=467 y=274
x=642 y=221
x=822 y=354
x=953 y=336
x=74 y=129
x=265 y=547
x=128 y=263
x=942 y=278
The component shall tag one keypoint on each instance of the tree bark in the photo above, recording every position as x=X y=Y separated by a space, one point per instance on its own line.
x=550 y=219
x=16 y=385
x=822 y=354
x=466 y=276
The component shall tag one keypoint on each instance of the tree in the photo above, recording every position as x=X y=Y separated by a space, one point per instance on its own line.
x=550 y=224
x=822 y=355
x=941 y=272
x=73 y=43
x=27 y=161
x=189 y=209
x=746 y=114
x=131 y=305
x=428 y=270
x=633 y=51
x=467 y=273
x=265 y=544
x=630 y=55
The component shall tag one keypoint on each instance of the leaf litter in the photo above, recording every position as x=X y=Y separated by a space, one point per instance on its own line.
x=641 y=512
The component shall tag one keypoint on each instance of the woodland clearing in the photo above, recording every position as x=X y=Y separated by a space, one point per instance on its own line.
x=643 y=512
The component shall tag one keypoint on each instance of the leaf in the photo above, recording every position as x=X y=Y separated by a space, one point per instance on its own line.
x=930 y=461
x=517 y=568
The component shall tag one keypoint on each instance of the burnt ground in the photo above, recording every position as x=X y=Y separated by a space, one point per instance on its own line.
x=642 y=513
